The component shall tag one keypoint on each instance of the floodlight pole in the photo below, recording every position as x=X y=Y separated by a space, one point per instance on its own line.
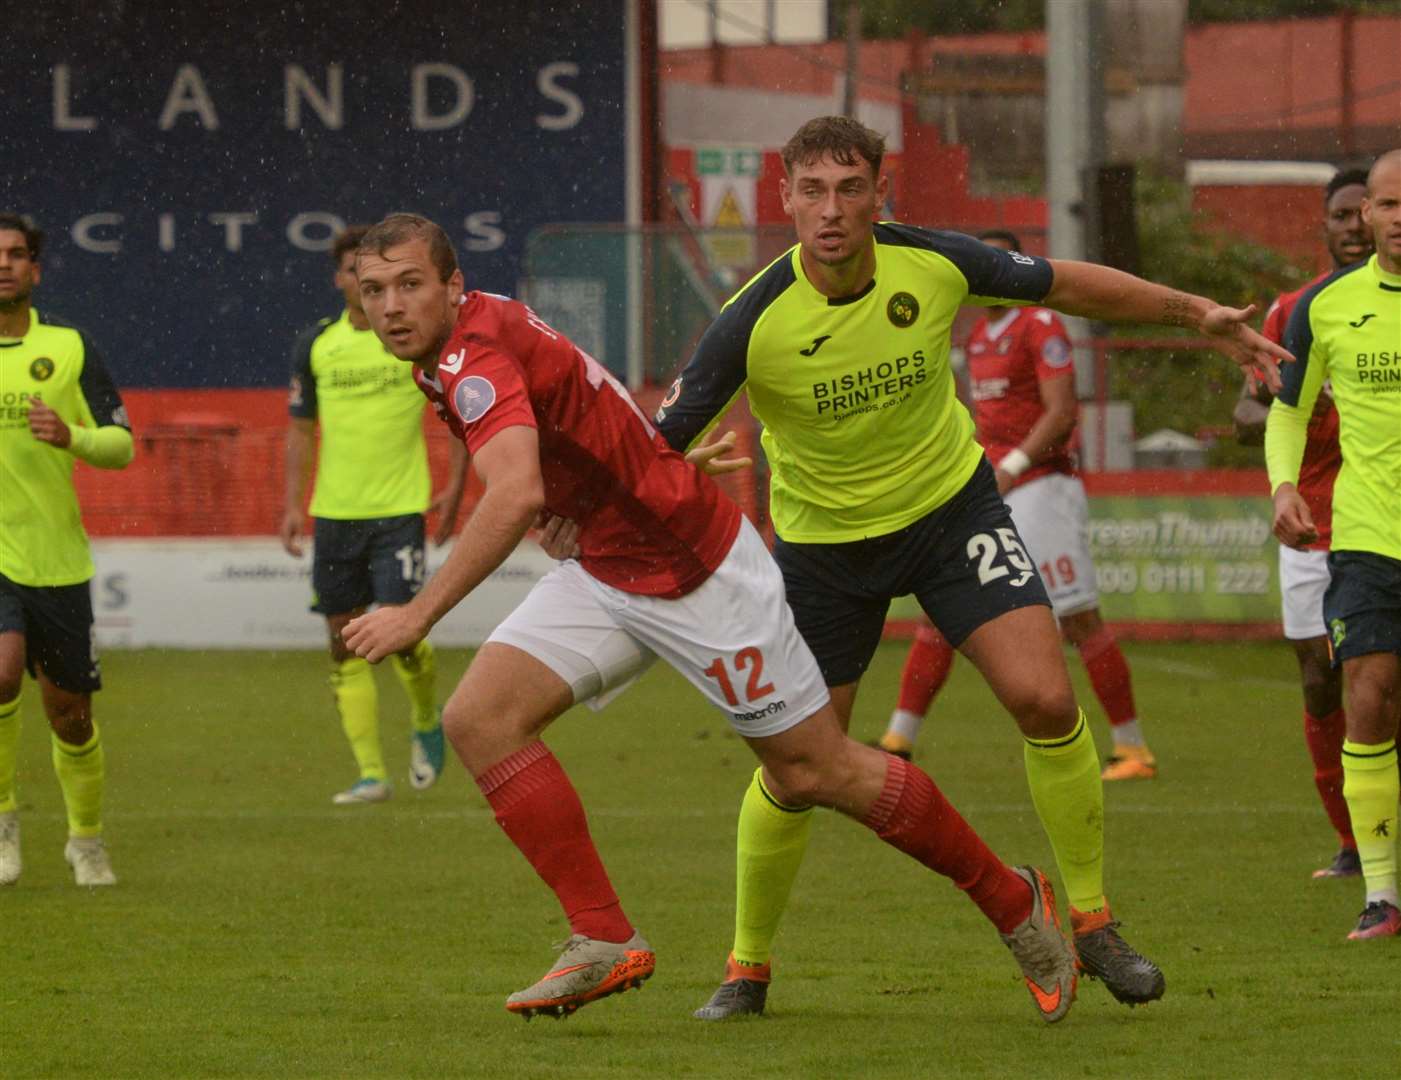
x=1074 y=124
x=1075 y=147
x=853 y=57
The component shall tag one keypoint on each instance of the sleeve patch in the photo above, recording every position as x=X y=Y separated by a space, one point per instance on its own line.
x=1055 y=353
x=472 y=397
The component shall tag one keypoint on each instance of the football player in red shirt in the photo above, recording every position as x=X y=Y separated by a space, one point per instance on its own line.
x=1303 y=575
x=668 y=567
x=1023 y=388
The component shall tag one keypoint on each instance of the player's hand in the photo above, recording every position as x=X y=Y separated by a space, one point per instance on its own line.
x=445 y=505
x=706 y=456
x=558 y=536
x=291 y=532
x=47 y=426
x=1293 y=524
x=1252 y=352
x=386 y=630
x=1005 y=480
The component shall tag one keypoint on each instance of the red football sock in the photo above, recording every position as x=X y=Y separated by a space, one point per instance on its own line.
x=913 y=816
x=1325 y=738
x=1109 y=675
x=926 y=670
x=540 y=811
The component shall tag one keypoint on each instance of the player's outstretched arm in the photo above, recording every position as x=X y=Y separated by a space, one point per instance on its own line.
x=448 y=502
x=509 y=465
x=1100 y=292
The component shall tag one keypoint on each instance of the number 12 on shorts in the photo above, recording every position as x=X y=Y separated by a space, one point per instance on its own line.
x=754 y=687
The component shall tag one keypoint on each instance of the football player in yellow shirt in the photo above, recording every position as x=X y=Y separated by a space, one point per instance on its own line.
x=58 y=405
x=371 y=492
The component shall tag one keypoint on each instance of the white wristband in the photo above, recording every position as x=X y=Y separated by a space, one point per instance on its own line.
x=1015 y=463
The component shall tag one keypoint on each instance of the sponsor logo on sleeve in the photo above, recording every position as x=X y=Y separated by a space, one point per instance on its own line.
x=472 y=397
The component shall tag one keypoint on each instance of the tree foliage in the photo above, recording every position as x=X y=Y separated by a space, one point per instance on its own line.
x=1190 y=390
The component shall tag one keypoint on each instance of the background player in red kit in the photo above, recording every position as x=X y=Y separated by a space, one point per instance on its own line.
x=1024 y=405
x=1303 y=574
x=668 y=567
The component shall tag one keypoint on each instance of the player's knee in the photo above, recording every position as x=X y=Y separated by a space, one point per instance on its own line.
x=1323 y=690
x=796 y=782
x=1044 y=710
x=1370 y=716
x=815 y=780
x=71 y=719
x=459 y=722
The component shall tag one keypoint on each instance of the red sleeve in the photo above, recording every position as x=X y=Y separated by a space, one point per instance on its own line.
x=1050 y=345
x=488 y=395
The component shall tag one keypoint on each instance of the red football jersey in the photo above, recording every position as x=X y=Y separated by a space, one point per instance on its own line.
x=650 y=522
x=1323 y=457
x=1007 y=361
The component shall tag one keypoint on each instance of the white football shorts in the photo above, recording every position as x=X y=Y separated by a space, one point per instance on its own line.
x=1052 y=515
x=733 y=638
x=1303 y=579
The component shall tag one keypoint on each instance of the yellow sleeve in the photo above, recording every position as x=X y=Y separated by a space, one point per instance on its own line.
x=1286 y=432
x=107 y=447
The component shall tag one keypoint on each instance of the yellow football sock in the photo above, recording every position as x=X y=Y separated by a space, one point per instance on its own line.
x=82 y=774
x=418 y=674
x=9 y=749
x=1371 y=787
x=1069 y=797
x=772 y=841
x=357 y=701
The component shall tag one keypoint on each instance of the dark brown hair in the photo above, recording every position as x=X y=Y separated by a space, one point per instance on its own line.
x=845 y=140
x=349 y=240
x=33 y=235
x=399 y=229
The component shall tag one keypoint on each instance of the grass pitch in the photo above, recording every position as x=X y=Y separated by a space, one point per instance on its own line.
x=257 y=931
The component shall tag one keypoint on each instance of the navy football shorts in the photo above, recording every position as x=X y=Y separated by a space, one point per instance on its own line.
x=1362 y=607
x=56 y=621
x=964 y=562
x=358 y=563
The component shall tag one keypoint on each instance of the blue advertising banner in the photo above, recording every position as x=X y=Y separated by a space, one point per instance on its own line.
x=190 y=163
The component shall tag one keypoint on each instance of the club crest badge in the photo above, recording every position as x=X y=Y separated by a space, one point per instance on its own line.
x=902 y=310
x=472 y=397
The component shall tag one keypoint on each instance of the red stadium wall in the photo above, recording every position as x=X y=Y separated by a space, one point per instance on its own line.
x=211 y=463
